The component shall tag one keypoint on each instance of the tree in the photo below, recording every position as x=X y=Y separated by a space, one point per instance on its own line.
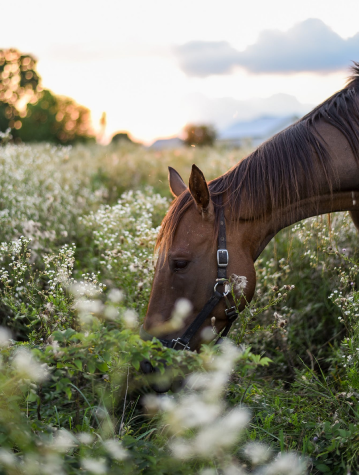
x=18 y=79
x=121 y=137
x=47 y=117
x=199 y=135
x=56 y=119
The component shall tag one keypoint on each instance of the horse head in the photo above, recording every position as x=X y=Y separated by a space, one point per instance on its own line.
x=193 y=266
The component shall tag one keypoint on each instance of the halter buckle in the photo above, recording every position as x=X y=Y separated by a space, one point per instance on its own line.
x=222 y=258
x=178 y=341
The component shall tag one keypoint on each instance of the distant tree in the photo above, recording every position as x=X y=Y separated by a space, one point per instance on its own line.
x=47 y=117
x=121 y=136
x=199 y=135
x=55 y=119
x=18 y=79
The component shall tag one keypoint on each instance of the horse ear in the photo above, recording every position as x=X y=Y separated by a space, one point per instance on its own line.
x=177 y=185
x=200 y=192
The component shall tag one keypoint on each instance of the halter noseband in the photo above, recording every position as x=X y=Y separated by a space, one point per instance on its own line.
x=183 y=342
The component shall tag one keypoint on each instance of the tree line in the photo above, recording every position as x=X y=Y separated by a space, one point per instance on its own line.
x=35 y=114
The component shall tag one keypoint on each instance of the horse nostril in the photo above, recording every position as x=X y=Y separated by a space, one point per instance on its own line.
x=146 y=367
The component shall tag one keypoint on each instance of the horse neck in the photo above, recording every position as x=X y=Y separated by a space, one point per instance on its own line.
x=340 y=194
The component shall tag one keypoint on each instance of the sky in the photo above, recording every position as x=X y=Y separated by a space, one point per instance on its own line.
x=154 y=66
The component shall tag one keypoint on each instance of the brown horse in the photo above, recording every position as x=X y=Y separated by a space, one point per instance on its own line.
x=310 y=168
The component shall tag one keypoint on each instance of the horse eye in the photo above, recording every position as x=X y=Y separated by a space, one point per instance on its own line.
x=178 y=265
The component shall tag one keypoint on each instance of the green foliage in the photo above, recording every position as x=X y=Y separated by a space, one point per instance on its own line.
x=199 y=135
x=18 y=77
x=55 y=119
x=47 y=118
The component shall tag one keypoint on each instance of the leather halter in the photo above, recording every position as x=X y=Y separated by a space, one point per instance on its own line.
x=184 y=342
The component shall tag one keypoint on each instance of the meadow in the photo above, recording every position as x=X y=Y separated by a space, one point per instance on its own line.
x=77 y=232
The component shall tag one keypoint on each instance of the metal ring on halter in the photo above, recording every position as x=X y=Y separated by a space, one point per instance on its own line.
x=224 y=293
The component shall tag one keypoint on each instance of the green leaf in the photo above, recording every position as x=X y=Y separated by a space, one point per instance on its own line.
x=265 y=361
x=58 y=336
x=78 y=363
x=31 y=397
x=68 y=392
x=91 y=366
x=322 y=467
x=102 y=367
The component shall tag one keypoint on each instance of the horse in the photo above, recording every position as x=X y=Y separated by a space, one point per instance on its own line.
x=310 y=168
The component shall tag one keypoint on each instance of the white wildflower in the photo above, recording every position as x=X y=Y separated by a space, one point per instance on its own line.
x=280 y=321
x=257 y=453
x=87 y=288
x=181 y=449
x=207 y=334
x=199 y=381
x=159 y=403
x=28 y=368
x=115 y=295
x=85 y=438
x=5 y=335
x=63 y=441
x=7 y=458
x=89 y=306
x=228 y=430
x=213 y=382
x=181 y=311
x=111 y=313
x=285 y=464
x=151 y=403
x=130 y=318
x=97 y=466
x=225 y=361
x=115 y=449
x=192 y=411
x=239 y=283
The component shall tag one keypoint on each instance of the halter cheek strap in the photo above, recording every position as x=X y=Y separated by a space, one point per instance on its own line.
x=184 y=342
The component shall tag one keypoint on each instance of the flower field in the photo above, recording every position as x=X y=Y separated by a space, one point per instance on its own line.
x=77 y=232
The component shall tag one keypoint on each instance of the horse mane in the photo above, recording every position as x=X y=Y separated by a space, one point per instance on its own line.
x=269 y=177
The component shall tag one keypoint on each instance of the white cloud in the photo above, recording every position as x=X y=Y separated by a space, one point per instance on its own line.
x=308 y=46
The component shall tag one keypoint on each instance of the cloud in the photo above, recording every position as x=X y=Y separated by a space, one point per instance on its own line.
x=307 y=46
x=202 y=58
